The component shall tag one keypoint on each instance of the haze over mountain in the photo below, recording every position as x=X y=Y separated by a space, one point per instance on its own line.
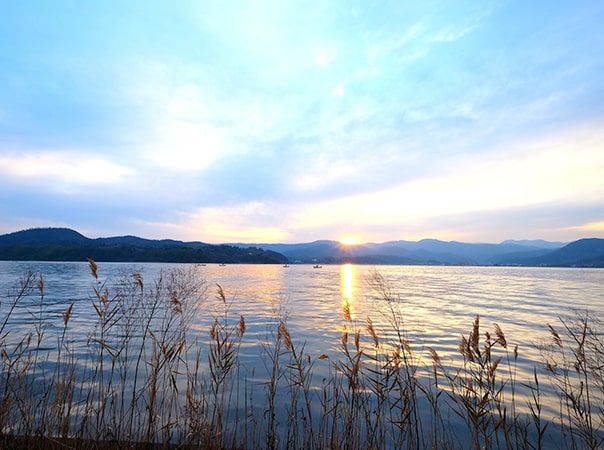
x=63 y=244
x=426 y=251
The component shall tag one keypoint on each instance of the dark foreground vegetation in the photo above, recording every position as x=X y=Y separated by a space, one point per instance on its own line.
x=147 y=378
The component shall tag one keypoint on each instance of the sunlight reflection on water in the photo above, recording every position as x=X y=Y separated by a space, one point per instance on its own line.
x=435 y=305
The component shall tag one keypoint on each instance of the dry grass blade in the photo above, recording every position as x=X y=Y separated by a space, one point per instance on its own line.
x=346 y=311
x=138 y=280
x=242 y=327
x=196 y=391
x=93 y=268
x=500 y=336
x=220 y=293
x=475 y=336
x=67 y=314
x=344 y=338
x=464 y=349
x=372 y=333
x=41 y=284
x=434 y=355
x=98 y=311
x=555 y=336
x=284 y=334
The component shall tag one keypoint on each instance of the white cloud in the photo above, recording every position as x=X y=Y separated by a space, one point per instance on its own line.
x=338 y=91
x=187 y=146
x=322 y=59
x=318 y=171
x=450 y=35
x=560 y=169
x=182 y=124
x=253 y=222
x=61 y=168
x=326 y=101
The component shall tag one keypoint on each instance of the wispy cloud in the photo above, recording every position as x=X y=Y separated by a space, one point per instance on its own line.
x=591 y=227
x=62 y=169
x=284 y=121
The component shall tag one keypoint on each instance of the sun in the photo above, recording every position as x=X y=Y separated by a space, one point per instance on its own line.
x=348 y=240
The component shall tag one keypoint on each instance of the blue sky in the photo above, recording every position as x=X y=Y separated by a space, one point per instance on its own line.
x=278 y=121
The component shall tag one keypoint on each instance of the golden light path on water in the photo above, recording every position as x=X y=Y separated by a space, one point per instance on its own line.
x=435 y=305
x=347 y=283
x=347 y=277
x=426 y=306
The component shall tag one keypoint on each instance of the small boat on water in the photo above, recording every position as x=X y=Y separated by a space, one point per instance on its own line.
x=317 y=266
x=222 y=264
x=285 y=265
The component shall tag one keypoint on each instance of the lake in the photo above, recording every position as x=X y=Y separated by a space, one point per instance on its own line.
x=434 y=307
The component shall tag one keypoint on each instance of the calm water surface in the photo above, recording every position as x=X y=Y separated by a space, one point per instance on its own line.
x=437 y=304
x=434 y=306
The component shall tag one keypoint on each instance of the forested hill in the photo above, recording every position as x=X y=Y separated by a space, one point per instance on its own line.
x=63 y=244
x=581 y=253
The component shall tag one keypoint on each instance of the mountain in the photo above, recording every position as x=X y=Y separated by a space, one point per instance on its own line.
x=42 y=236
x=426 y=251
x=581 y=253
x=453 y=252
x=63 y=244
x=540 y=243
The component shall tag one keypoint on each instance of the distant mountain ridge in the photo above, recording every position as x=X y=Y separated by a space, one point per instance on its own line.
x=536 y=243
x=64 y=244
x=584 y=253
x=581 y=253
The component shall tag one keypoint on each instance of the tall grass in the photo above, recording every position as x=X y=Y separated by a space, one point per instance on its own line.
x=148 y=378
x=575 y=361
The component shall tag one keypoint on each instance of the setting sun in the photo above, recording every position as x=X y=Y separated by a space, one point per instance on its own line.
x=348 y=240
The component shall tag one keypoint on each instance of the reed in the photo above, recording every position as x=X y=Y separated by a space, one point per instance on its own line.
x=149 y=378
x=575 y=364
x=476 y=389
x=298 y=373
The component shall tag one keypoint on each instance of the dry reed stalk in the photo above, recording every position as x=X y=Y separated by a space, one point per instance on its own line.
x=370 y=399
x=301 y=431
x=93 y=268
x=272 y=349
x=575 y=367
x=372 y=333
x=346 y=311
x=224 y=347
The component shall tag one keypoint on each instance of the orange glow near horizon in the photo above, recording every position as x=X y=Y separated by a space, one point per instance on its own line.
x=348 y=240
x=592 y=226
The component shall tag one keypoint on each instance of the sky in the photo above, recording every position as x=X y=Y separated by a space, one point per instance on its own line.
x=292 y=121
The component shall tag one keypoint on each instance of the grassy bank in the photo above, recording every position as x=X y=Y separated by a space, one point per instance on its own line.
x=147 y=378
